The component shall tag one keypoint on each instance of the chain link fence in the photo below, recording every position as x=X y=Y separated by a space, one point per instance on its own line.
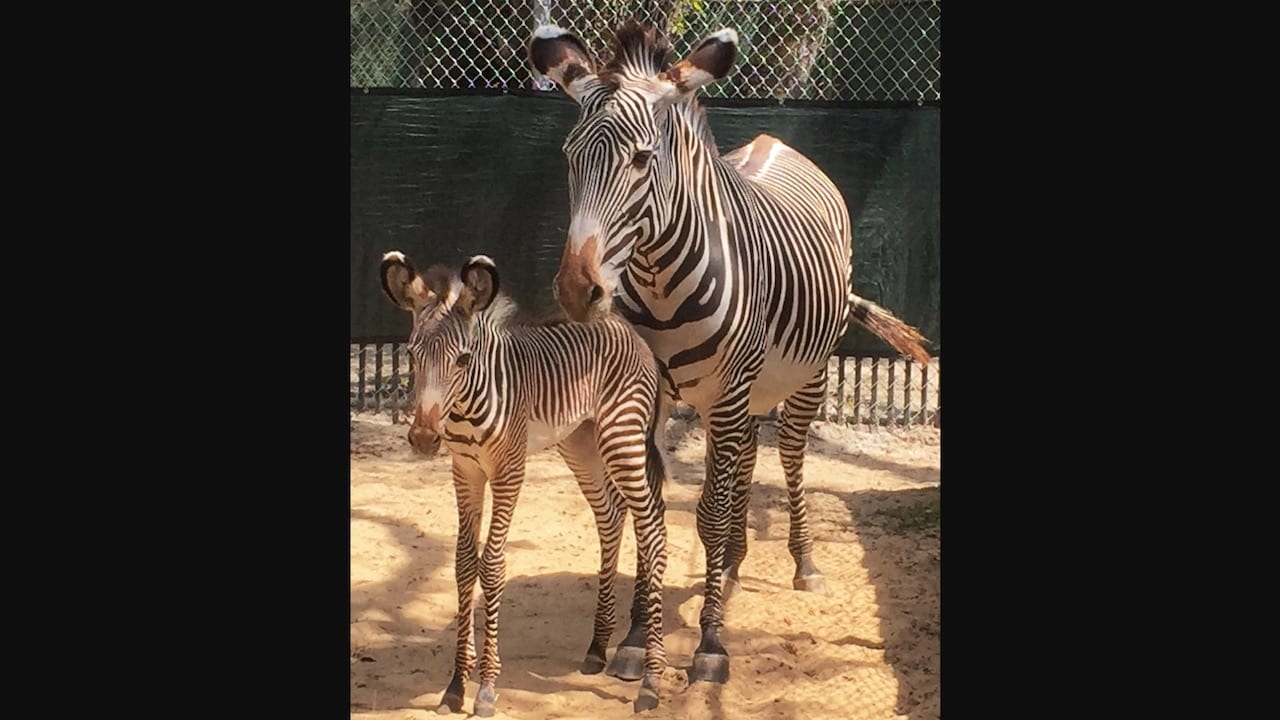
x=848 y=50
x=861 y=390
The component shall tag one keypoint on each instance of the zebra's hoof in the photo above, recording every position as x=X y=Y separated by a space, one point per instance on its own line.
x=709 y=668
x=811 y=583
x=627 y=663
x=486 y=702
x=648 y=697
x=449 y=704
x=592 y=665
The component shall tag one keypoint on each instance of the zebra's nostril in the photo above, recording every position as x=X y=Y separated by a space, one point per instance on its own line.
x=597 y=292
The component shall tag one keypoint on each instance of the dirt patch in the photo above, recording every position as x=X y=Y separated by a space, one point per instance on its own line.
x=870 y=650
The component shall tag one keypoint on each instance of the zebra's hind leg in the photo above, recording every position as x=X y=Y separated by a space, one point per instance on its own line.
x=798 y=413
x=626 y=451
x=468 y=487
x=580 y=453
x=628 y=661
x=736 y=549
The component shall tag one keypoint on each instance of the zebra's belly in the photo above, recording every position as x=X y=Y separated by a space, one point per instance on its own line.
x=778 y=379
x=544 y=434
x=463 y=439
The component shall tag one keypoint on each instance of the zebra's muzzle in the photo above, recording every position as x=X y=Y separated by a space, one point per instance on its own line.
x=423 y=441
x=578 y=286
x=424 y=433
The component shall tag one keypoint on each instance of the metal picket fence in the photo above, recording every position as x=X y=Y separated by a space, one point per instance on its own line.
x=848 y=50
x=866 y=389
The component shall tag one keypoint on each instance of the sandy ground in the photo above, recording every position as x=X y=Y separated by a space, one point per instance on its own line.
x=870 y=650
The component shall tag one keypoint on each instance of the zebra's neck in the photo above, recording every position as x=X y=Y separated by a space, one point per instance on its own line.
x=679 y=273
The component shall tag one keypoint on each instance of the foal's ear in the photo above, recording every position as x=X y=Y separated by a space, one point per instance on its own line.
x=710 y=61
x=402 y=283
x=561 y=56
x=480 y=284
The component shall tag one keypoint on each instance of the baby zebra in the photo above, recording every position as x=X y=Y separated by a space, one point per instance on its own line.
x=496 y=391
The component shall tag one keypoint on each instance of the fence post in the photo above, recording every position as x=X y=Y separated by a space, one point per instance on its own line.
x=875 y=385
x=906 y=396
x=377 y=378
x=893 y=396
x=840 y=391
x=360 y=380
x=924 y=394
x=857 y=390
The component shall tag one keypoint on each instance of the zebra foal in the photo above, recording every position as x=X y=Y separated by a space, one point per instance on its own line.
x=494 y=391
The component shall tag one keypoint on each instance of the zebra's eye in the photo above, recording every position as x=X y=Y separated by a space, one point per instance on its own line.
x=641 y=159
x=464 y=359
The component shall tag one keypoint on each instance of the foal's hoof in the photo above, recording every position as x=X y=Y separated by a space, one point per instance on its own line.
x=648 y=697
x=486 y=700
x=627 y=663
x=449 y=704
x=811 y=583
x=709 y=668
x=592 y=665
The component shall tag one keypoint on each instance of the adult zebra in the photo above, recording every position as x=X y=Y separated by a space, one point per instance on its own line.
x=736 y=270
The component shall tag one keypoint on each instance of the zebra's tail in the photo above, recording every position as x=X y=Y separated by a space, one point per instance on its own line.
x=904 y=338
x=654 y=467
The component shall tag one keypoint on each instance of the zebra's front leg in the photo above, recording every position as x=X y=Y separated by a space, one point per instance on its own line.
x=493 y=579
x=798 y=413
x=468 y=488
x=583 y=458
x=729 y=429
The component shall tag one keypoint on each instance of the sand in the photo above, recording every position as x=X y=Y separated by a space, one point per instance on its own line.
x=869 y=650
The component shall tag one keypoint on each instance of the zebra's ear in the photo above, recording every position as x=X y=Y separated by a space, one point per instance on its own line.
x=402 y=283
x=561 y=56
x=710 y=61
x=480 y=284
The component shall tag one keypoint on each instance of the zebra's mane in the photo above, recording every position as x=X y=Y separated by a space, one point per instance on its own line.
x=501 y=313
x=639 y=51
x=504 y=313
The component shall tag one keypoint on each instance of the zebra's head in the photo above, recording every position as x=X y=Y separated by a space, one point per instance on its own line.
x=445 y=305
x=622 y=153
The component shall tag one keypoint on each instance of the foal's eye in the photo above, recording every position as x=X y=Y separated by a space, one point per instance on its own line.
x=641 y=159
x=464 y=360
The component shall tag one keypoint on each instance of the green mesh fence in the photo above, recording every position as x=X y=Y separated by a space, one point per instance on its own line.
x=848 y=50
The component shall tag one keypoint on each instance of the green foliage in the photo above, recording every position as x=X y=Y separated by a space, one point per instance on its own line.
x=680 y=10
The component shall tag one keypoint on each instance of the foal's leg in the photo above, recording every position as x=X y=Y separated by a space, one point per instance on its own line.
x=468 y=488
x=624 y=447
x=580 y=454
x=493 y=572
x=628 y=661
